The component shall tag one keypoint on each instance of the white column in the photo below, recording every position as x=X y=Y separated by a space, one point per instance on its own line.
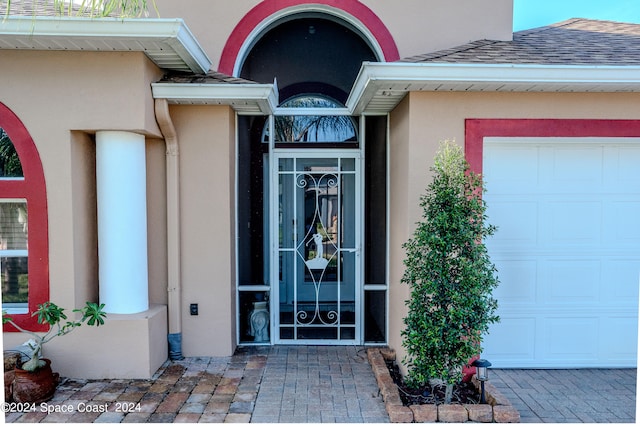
x=122 y=221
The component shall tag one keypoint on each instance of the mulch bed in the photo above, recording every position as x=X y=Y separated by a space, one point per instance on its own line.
x=464 y=393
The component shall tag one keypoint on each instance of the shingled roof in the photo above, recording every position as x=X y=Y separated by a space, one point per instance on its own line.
x=212 y=77
x=44 y=8
x=573 y=42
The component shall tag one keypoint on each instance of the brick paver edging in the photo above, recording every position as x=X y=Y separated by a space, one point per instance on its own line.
x=498 y=409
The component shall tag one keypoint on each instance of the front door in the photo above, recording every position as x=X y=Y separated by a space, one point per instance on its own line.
x=315 y=256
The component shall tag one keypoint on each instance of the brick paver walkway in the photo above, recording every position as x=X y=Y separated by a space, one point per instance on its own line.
x=258 y=384
x=319 y=385
x=315 y=384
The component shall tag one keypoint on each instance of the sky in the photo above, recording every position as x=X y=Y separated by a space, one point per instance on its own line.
x=538 y=13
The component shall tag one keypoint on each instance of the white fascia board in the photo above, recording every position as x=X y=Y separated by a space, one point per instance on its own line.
x=502 y=73
x=188 y=48
x=396 y=75
x=172 y=32
x=362 y=90
x=264 y=95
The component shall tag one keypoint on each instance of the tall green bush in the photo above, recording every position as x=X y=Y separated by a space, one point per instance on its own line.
x=450 y=274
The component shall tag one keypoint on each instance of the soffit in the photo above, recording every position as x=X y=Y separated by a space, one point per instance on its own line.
x=167 y=42
x=381 y=86
x=214 y=88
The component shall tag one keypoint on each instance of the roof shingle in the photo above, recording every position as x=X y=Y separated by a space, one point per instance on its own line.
x=212 y=77
x=573 y=42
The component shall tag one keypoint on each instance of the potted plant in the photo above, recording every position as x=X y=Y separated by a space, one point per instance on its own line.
x=34 y=381
x=450 y=275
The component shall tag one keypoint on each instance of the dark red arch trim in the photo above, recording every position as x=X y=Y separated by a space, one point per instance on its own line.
x=267 y=8
x=477 y=129
x=33 y=189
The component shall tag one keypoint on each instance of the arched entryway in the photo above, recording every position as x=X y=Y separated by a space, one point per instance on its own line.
x=311 y=203
x=268 y=13
x=308 y=53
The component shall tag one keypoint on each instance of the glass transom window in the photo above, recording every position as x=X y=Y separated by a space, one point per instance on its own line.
x=314 y=121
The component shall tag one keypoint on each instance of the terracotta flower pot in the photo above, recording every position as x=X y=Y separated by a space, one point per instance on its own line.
x=34 y=387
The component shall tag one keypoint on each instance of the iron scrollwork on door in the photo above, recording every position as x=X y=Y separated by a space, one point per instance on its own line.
x=319 y=247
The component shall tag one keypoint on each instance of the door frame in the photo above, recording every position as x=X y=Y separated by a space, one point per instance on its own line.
x=273 y=228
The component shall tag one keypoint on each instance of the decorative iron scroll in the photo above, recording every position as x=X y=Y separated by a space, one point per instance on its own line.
x=317 y=236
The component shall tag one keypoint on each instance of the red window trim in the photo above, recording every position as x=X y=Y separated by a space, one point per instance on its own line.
x=477 y=129
x=33 y=189
x=267 y=8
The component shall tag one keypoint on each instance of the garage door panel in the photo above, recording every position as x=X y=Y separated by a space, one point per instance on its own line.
x=617 y=274
x=517 y=168
x=571 y=281
x=572 y=168
x=517 y=223
x=627 y=168
x=570 y=341
x=620 y=347
x=574 y=222
x=622 y=222
x=518 y=279
x=567 y=251
x=519 y=348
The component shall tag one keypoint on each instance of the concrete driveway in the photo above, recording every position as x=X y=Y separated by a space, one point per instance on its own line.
x=569 y=395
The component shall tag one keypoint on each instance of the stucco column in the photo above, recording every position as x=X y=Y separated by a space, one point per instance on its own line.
x=122 y=221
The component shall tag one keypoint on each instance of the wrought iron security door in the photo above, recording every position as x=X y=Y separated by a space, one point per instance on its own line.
x=316 y=209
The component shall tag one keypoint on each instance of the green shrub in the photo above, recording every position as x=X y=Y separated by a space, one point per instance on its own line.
x=54 y=316
x=450 y=274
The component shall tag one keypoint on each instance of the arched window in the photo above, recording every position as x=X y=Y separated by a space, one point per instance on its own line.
x=312 y=128
x=308 y=53
x=24 y=253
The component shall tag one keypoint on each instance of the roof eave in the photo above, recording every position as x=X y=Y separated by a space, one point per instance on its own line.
x=167 y=42
x=243 y=98
x=379 y=87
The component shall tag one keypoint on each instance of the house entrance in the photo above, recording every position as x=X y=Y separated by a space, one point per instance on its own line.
x=311 y=190
x=311 y=228
x=316 y=260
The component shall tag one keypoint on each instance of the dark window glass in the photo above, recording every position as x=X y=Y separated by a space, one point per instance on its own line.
x=13 y=252
x=251 y=201
x=10 y=166
x=306 y=54
x=375 y=204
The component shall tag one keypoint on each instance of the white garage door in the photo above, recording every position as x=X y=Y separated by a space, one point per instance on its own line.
x=567 y=251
